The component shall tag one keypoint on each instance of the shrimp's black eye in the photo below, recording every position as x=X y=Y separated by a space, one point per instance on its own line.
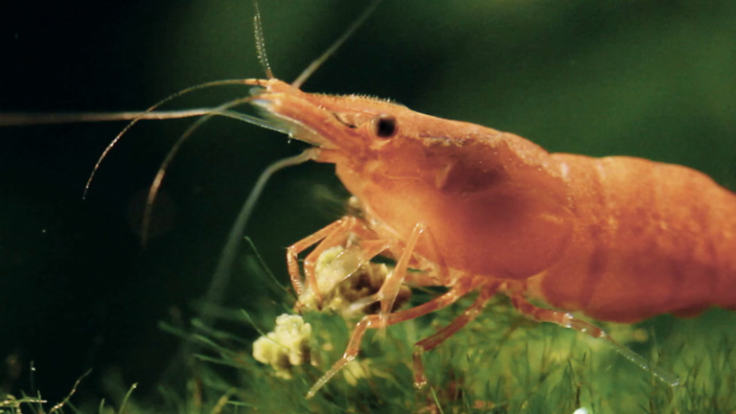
x=384 y=125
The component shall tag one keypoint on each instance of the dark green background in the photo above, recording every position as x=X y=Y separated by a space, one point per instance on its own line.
x=655 y=79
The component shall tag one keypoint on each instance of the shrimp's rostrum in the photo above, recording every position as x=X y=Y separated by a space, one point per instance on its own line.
x=617 y=239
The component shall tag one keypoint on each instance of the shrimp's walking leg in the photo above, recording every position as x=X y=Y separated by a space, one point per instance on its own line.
x=390 y=289
x=567 y=320
x=431 y=342
x=376 y=322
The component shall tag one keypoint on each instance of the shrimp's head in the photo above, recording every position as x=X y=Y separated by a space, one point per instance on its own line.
x=352 y=126
x=476 y=189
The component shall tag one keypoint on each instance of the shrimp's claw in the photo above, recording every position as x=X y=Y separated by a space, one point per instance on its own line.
x=335 y=234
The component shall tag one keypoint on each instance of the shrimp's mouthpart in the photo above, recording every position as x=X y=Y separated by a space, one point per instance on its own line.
x=275 y=109
x=273 y=98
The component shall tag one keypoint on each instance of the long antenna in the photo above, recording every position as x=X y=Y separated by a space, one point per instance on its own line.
x=260 y=41
x=222 y=110
x=227 y=258
x=144 y=114
x=332 y=49
x=30 y=118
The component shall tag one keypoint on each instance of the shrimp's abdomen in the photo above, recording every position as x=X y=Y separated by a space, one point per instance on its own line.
x=649 y=238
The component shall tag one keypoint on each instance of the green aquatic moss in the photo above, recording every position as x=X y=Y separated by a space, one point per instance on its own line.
x=500 y=363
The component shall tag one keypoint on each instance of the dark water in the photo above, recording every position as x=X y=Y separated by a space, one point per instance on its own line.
x=648 y=78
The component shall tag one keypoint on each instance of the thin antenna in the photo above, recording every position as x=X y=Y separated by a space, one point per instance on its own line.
x=227 y=258
x=332 y=49
x=222 y=110
x=156 y=184
x=30 y=119
x=143 y=116
x=229 y=252
x=260 y=41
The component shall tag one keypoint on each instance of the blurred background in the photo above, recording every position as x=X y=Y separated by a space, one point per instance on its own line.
x=654 y=79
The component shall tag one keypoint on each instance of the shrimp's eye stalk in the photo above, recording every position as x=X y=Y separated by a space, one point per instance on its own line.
x=384 y=125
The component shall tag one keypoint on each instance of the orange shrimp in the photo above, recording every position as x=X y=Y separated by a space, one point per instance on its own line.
x=617 y=239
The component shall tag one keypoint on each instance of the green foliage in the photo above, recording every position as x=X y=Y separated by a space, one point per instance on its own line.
x=501 y=363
